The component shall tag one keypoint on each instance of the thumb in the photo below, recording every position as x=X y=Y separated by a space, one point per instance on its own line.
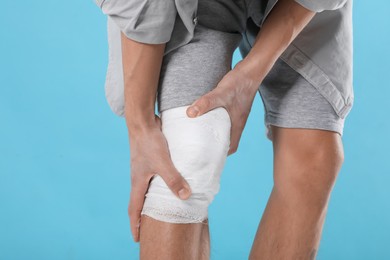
x=175 y=182
x=203 y=104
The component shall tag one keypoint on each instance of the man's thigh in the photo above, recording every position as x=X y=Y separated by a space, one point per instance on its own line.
x=196 y=68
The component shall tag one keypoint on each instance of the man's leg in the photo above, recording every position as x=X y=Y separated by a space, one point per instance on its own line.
x=162 y=240
x=306 y=164
x=175 y=229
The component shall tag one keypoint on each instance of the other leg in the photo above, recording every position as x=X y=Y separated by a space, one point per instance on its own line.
x=306 y=165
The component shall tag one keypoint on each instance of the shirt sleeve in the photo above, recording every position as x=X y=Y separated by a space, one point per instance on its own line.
x=321 y=5
x=142 y=20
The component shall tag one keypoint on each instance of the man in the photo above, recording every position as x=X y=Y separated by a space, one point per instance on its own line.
x=314 y=39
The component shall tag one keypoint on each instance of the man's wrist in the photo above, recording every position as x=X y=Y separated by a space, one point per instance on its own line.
x=253 y=70
x=140 y=121
x=136 y=128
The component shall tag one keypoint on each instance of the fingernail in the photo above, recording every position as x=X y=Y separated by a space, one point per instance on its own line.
x=184 y=193
x=193 y=111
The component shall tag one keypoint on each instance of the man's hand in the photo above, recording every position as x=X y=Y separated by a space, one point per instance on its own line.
x=235 y=92
x=150 y=156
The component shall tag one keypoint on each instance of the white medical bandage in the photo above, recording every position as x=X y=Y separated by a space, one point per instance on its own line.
x=198 y=148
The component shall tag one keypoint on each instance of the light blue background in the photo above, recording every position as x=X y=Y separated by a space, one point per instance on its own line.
x=64 y=156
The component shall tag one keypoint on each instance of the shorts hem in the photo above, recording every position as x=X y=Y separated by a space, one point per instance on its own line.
x=307 y=123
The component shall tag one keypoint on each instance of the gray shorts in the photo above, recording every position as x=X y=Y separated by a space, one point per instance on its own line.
x=194 y=69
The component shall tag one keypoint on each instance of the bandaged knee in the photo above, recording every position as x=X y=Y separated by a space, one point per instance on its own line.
x=198 y=147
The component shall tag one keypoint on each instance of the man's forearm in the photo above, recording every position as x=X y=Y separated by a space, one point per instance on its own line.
x=283 y=24
x=141 y=71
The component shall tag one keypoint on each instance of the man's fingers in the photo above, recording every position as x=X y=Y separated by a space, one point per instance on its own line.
x=205 y=103
x=233 y=147
x=176 y=183
x=235 y=139
x=137 y=198
x=233 y=142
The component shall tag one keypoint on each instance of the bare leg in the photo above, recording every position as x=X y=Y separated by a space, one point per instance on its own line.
x=162 y=240
x=306 y=164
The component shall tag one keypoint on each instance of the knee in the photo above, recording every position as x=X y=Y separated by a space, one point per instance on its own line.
x=198 y=149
